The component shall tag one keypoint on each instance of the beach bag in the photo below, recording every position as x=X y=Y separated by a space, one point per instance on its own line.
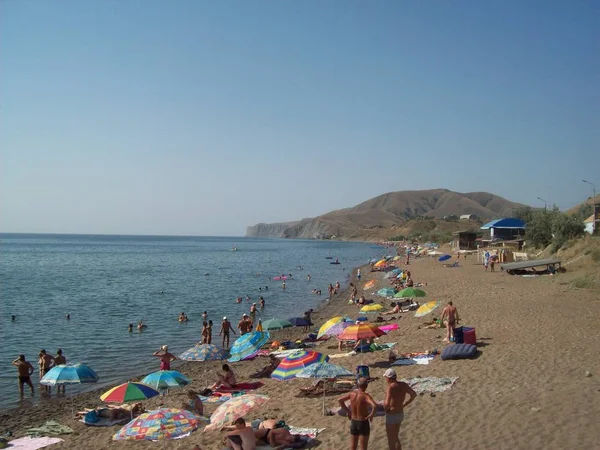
x=459 y=335
x=362 y=372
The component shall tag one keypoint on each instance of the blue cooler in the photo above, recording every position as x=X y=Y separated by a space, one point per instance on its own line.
x=459 y=337
x=362 y=371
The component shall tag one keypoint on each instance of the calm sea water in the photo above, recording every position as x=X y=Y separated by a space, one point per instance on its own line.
x=107 y=282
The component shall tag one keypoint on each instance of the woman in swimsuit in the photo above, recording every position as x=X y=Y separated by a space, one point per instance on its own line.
x=195 y=404
x=165 y=357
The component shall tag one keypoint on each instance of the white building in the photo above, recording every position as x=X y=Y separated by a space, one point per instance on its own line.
x=589 y=224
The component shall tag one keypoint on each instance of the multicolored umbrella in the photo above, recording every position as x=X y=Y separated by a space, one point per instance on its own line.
x=203 y=352
x=164 y=423
x=165 y=379
x=300 y=322
x=386 y=292
x=276 y=324
x=360 y=331
x=380 y=263
x=372 y=308
x=324 y=370
x=410 y=292
x=129 y=392
x=234 y=409
x=426 y=308
x=444 y=258
x=69 y=374
x=291 y=365
x=248 y=345
x=325 y=328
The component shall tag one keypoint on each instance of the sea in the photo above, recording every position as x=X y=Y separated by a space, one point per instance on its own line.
x=107 y=282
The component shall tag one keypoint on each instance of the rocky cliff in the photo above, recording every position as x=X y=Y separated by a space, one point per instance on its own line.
x=269 y=229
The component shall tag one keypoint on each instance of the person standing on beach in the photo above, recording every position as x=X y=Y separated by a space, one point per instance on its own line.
x=204 y=332
x=59 y=360
x=450 y=319
x=358 y=274
x=394 y=407
x=25 y=370
x=209 y=332
x=165 y=357
x=358 y=414
x=45 y=363
x=226 y=328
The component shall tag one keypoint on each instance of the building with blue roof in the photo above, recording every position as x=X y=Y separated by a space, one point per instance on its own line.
x=509 y=228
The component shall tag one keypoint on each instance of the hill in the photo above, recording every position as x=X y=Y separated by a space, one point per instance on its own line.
x=387 y=215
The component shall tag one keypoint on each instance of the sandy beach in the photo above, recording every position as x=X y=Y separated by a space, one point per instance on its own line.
x=527 y=389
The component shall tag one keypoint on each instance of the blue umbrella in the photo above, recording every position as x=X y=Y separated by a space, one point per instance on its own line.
x=203 y=352
x=248 y=345
x=444 y=258
x=386 y=292
x=397 y=271
x=300 y=322
x=69 y=374
x=165 y=379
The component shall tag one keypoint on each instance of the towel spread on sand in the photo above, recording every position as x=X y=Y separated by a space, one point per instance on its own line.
x=29 y=443
x=214 y=398
x=430 y=384
x=310 y=432
x=420 y=360
x=50 y=427
x=105 y=422
x=341 y=355
x=240 y=387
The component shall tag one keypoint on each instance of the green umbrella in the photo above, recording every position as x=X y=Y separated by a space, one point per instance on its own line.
x=276 y=324
x=410 y=292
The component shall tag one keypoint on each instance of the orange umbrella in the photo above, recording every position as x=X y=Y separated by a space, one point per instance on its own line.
x=370 y=284
x=381 y=263
x=361 y=331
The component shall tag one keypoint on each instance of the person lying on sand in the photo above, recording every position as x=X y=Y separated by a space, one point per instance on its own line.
x=268 y=370
x=279 y=438
x=395 y=310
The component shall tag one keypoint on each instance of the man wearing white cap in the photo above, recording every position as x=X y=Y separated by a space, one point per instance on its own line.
x=394 y=407
x=226 y=328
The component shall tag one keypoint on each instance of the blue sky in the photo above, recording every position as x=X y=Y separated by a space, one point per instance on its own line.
x=201 y=117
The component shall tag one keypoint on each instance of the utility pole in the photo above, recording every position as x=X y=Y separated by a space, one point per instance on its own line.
x=545 y=203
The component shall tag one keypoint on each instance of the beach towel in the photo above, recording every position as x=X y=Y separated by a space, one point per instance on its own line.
x=92 y=419
x=430 y=384
x=29 y=443
x=241 y=387
x=310 y=432
x=341 y=355
x=420 y=360
x=50 y=427
x=216 y=398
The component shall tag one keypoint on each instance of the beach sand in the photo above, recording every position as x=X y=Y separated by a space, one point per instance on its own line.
x=527 y=389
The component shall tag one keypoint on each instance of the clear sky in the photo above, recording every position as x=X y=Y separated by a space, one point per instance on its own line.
x=203 y=117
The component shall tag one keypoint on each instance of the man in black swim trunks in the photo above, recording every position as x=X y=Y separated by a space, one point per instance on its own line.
x=25 y=370
x=359 y=415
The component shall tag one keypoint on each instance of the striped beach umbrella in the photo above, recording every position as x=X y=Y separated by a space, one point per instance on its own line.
x=129 y=392
x=410 y=292
x=248 y=345
x=372 y=308
x=291 y=365
x=164 y=423
x=234 y=409
x=165 y=379
x=360 y=331
x=203 y=352
x=276 y=324
x=69 y=374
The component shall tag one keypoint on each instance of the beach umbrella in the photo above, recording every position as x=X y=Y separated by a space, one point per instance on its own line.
x=300 y=322
x=294 y=363
x=69 y=374
x=386 y=292
x=372 y=308
x=203 y=352
x=324 y=370
x=164 y=423
x=360 y=331
x=396 y=271
x=410 y=292
x=165 y=379
x=444 y=258
x=330 y=323
x=234 y=409
x=380 y=263
x=397 y=258
x=336 y=330
x=370 y=284
x=248 y=345
x=276 y=324
x=426 y=308
x=389 y=327
x=129 y=392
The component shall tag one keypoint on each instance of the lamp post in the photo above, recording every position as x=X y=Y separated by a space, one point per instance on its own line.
x=545 y=202
x=593 y=188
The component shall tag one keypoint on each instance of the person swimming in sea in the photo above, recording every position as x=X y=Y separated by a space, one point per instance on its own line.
x=13 y=318
x=68 y=316
x=262 y=302
x=141 y=325
x=238 y=300
x=130 y=327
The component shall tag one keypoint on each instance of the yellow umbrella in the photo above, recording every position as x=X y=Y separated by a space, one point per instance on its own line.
x=397 y=258
x=381 y=263
x=371 y=308
x=370 y=284
x=327 y=325
x=426 y=308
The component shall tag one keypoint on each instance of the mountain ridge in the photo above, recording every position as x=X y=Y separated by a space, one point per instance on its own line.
x=381 y=216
